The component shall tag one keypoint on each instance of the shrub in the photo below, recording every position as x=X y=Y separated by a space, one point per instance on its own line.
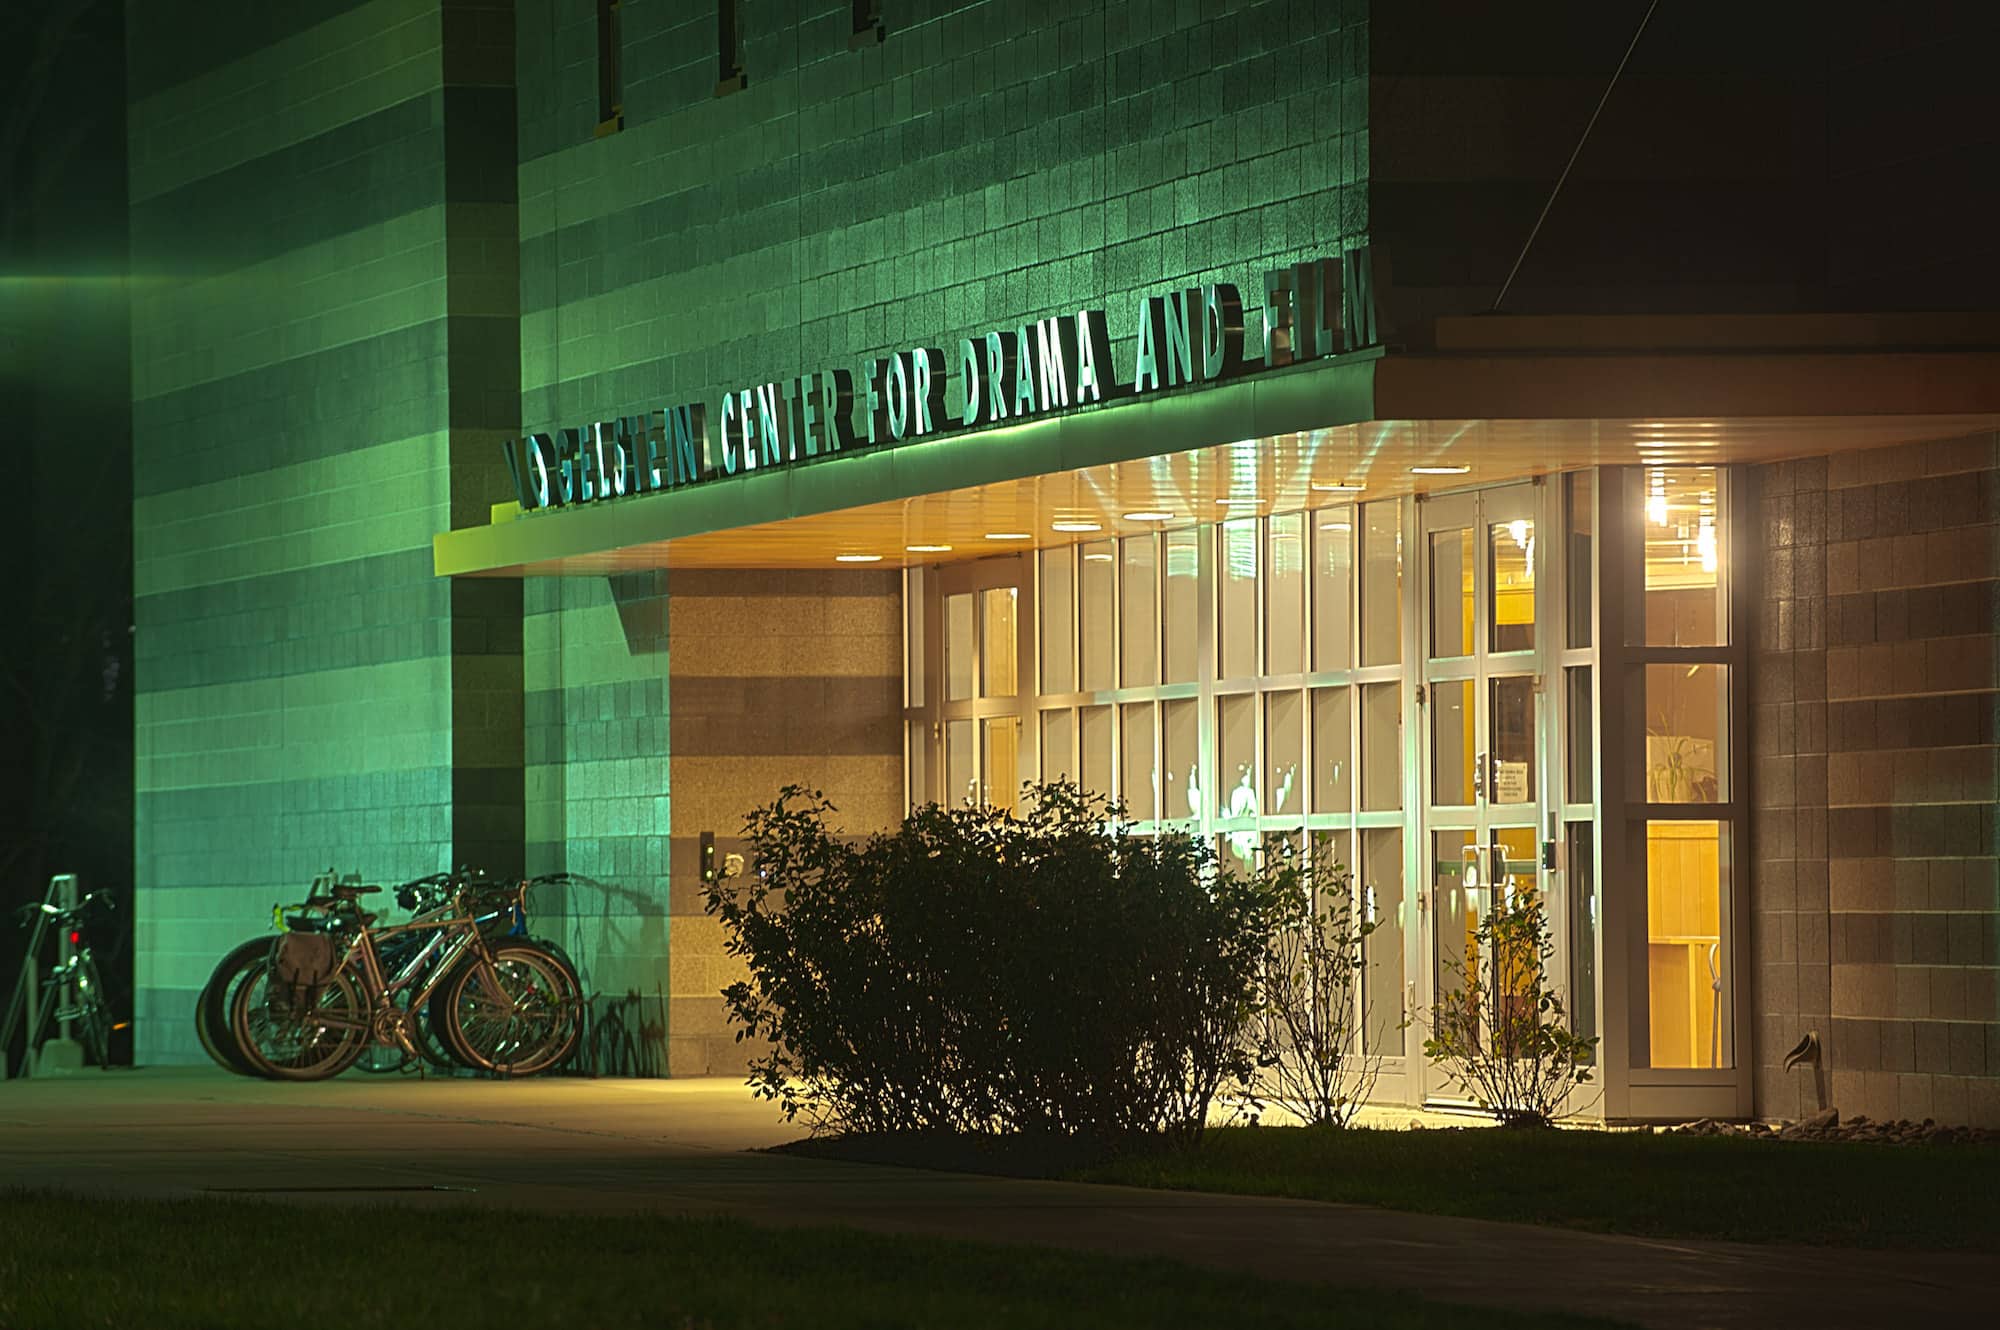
x=1313 y=999
x=1500 y=1032
x=976 y=971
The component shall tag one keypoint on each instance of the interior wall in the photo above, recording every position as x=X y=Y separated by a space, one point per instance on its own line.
x=1875 y=883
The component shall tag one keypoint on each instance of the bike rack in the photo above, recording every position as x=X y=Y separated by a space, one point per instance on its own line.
x=62 y=895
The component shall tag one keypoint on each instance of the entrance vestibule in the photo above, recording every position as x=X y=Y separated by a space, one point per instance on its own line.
x=1524 y=687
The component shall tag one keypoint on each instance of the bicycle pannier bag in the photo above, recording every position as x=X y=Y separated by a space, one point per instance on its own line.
x=302 y=963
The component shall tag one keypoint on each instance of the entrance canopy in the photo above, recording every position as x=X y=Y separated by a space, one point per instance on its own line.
x=1496 y=399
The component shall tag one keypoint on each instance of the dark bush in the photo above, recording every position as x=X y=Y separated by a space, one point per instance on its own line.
x=973 y=971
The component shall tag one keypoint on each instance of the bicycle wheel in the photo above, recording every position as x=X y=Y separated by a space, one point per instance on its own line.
x=211 y=1011
x=293 y=1042
x=516 y=1018
x=94 y=1021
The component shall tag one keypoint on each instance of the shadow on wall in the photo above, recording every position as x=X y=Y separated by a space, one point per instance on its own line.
x=623 y=1036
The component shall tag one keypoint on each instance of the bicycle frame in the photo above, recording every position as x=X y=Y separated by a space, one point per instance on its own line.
x=363 y=960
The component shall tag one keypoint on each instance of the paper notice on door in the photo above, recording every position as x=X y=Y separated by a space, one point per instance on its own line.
x=1510 y=782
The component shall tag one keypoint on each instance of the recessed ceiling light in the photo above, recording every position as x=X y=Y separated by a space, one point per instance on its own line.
x=927 y=549
x=1238 y=503
x=1336 y=526
x=1074 y=526
x=1007 y=535
x=857 y=558
x=1097 y=558
x=1337 y=487
x=1439 y=470
x=1149 y=517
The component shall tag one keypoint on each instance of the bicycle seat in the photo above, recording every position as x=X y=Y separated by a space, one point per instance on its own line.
x=348 y=892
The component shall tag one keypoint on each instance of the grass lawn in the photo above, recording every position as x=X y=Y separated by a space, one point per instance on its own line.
x=1845 y=1194
x=67 y=1262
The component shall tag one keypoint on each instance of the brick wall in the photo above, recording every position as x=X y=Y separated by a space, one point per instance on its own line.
x=323 y=357
x=987 y=164
x=1876 y=888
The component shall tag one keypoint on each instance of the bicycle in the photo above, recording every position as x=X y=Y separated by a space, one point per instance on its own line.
x=74 y=991
x=504 y=1004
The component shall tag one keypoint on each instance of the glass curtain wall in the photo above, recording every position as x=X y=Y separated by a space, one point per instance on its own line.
x=1255 y=678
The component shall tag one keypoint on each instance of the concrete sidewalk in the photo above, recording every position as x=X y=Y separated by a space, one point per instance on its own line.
x=686 y=1147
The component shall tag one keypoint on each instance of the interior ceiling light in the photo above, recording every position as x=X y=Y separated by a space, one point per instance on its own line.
x=1439 y=470
x=1149 y=517
x=857 y=558
x=1074 y=526
x=1337 y=487
x=1336 y=526
x=927 y=549
x=1238 y=503
x=1007 y=535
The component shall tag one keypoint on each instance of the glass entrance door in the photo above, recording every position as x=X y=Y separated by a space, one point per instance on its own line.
x=985 y=655
x=1482 y=627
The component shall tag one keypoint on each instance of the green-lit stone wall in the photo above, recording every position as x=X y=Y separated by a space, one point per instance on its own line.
x=986 y=164
x=323 y=356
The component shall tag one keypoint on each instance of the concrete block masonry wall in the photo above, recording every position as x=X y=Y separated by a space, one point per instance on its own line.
x=324 y=356
x=988 y=164
x=1876 y=886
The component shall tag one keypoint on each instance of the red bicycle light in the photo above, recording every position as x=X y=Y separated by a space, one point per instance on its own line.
x=75 y=937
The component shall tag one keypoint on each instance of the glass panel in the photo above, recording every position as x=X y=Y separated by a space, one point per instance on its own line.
x=1180 y=783
x=1284 y=750
x=1451 y=592
x=1001 y=761
x=1381 y=583
x=961 y=777
x=1141 y=780
x=1685 y=553
x=1059 y=745
x=1460 y=905
x=1057 y=608
x=1285 y=595
x=1332 y=589
x=1512 y=867
x=999 y=641
x=1511 y=551
x=1384 y=905
x=1687 y=710
x=1142 y=626
x=1097 y=624
x=1180 y=611
x=1686 y=985
x=1236 y=760
x=1511 y=712
x=1333 y=752
x=914 y=646
x=1581 y=862
x=1580 y=777
x=1381 y=746
x=1580 y=547
x=917 y=762
x=1452 y=734
x=1094 y=739
x=1236 y=623
x=958 y=647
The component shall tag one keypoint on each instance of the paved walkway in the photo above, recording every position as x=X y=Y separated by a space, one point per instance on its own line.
x=685 y=1147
